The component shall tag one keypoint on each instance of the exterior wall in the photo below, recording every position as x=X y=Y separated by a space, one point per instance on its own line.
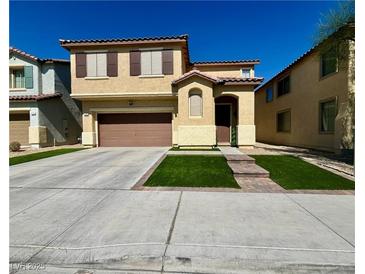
x=92 y=108
x=52 y=114
x=124 y=83
x=307 y=89
x=48 y=79
x=198 y=131
x=16 y=60
x=224 y=71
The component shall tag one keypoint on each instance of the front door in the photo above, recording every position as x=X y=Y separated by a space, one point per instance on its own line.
x=223 y=124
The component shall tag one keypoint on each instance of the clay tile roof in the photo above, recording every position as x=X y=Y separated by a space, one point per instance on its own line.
x=33 y=97
x=228 y=62
x=219 y=80
x=66 y=43
x=34 y=58
x=195 y=72
x=22 y=53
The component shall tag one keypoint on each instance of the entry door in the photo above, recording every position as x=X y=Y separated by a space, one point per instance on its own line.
x=223 y=123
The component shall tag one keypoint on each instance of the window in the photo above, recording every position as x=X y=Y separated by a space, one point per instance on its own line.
x=328 y=63
x=284 y=86
x=246 y=73
x=283 y=121
x=327 y=116
x=151 y=62
x=96 y=64
x=195 y=103
x=16 y=78
x=269 y=95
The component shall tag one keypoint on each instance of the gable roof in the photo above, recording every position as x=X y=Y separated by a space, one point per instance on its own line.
x=219 y=80
x=195 y=72
x=34 y=58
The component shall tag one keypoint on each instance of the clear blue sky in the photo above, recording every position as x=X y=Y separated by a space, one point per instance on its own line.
x=274 y=32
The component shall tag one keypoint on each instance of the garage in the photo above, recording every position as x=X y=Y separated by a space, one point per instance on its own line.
x=19 y=128
x=135 y=129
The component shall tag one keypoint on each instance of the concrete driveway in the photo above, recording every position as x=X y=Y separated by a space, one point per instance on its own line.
x=97 y=168
x=72 y=224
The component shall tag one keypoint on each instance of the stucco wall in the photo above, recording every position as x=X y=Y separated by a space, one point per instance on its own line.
x=307 y=89
x=52 y=113
x=224 y=71
x=48 y=78
x=125 y=83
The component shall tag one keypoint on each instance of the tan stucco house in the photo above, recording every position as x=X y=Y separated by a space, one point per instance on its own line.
x=307 y=103
x=147 y=92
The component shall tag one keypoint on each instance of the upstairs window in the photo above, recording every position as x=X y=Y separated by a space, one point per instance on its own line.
x=328 y=63
x=269 y=95
x=283 y=121
x=151 y=62
x=96 y=64
x=284 y=86
x=16 y=78
x=246 y=73
x=327 y=114
x=21 y=77
x=195 y=103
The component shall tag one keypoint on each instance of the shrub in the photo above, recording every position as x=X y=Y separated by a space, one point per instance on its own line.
x=14 y=146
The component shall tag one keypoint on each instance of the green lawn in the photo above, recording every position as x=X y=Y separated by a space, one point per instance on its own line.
x=193 y=171
x=194 y=149
x=40 y=155
x=293 y=173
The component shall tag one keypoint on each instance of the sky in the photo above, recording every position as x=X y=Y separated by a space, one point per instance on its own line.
x=274 y=32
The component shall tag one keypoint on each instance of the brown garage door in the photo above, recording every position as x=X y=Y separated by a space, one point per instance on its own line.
x=19 y=128
x=135 y=129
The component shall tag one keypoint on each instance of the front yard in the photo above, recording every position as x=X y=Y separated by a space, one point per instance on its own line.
x=293 y=173
x=40 y=155
x=193 y=171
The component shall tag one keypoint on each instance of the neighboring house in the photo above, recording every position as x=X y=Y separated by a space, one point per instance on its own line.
x=146 y=92
x=42 y=113
x=306 y=104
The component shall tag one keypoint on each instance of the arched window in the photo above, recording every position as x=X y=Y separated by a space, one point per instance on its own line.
x=195 y=103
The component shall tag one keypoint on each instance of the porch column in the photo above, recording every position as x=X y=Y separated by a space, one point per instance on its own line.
x=246 y=131
x=88 y=129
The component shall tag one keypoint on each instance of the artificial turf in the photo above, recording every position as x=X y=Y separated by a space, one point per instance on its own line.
x=293 y=173
x=193 y=171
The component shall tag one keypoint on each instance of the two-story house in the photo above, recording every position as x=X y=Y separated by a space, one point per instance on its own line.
x=146 y=92
x=307 y=103
x=42 y=112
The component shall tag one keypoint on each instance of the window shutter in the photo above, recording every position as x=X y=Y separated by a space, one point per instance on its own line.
x=28 y=77
x=135 y=63
x=167 y=62
x=112 y=64
x=80 y=65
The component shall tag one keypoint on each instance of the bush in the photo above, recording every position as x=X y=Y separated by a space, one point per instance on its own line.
x=14 y=146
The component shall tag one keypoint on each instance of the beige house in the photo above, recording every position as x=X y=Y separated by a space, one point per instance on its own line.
x=305 y=104
x=147 y=92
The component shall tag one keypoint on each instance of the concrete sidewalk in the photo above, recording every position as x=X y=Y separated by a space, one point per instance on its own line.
x=119 y=231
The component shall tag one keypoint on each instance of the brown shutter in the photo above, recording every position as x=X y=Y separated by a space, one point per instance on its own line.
x=167 y=62
x=112 y=64
x=80 y=65
x=135 y=63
